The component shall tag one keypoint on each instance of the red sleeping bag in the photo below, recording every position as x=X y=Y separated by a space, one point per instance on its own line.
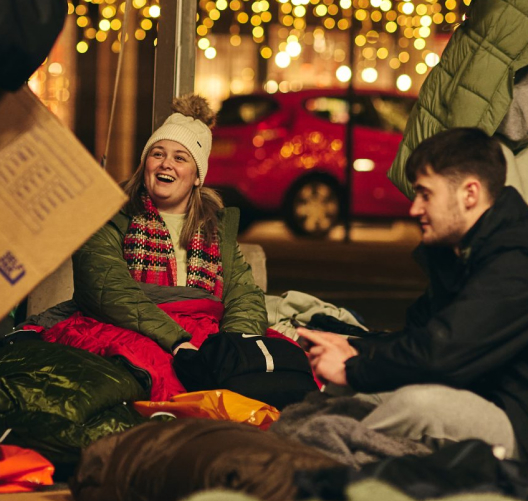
x=199 y=317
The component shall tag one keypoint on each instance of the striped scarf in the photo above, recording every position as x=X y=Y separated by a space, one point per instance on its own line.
x=149 y=253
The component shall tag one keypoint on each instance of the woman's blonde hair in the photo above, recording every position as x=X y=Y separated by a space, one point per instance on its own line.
x=204 y=203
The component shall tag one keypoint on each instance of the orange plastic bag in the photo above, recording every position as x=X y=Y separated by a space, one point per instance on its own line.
x=214 y=404
x=23 y=470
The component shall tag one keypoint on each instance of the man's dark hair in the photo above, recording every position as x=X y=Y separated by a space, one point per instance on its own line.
x=460 y=152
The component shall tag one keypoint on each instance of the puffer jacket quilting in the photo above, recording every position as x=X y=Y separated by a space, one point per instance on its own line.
x=58 y=399
x=104 y=289
x=472 y=86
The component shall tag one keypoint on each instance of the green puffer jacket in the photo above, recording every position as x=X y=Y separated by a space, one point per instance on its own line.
x=472 y=86
x=104 y=289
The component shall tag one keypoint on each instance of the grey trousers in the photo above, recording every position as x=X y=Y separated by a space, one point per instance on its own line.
x=437 y=415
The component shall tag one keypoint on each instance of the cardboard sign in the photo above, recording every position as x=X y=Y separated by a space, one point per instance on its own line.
x=53 y=195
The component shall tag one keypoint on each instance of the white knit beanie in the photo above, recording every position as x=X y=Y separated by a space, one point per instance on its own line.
x=189 y=132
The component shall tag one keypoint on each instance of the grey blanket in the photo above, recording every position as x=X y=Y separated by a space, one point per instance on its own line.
x=333 y=425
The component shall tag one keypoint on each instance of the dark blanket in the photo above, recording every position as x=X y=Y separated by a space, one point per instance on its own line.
x=169 y=461
x=467 y=467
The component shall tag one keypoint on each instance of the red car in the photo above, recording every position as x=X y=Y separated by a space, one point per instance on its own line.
x=285 y=153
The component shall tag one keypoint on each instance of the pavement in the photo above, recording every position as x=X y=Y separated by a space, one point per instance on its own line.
x=374 y=274
x=60 y=495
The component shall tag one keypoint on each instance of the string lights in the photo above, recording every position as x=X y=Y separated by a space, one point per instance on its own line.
x=393 y=33
x=101 y=21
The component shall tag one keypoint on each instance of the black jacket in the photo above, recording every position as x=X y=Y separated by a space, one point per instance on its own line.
x=29 y=29
x=470 y=329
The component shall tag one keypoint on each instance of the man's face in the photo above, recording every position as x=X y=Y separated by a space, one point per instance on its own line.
x=439 y=209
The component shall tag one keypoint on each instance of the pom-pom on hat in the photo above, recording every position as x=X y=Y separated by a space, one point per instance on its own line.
x=190 y=125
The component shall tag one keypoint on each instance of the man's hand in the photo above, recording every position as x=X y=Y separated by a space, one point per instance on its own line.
x=185 y=346
x=328 y=355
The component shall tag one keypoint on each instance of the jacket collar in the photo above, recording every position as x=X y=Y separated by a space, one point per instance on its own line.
x=502 y=226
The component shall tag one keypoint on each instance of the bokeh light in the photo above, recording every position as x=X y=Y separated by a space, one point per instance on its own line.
x=271 y=86
x=154 y=11
x=282 y=59
x=432 y=59
x=210 y=53
x=344 y=73
x=404 y=83
x=82 y=47
x=369 y=75
x=293 y=49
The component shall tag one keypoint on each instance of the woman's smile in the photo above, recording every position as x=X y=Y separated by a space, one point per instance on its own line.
x=165 y=178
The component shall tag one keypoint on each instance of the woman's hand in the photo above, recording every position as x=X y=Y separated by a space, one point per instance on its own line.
x=186 y=346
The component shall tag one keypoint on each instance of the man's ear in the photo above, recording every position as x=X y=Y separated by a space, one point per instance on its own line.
x=472 y=192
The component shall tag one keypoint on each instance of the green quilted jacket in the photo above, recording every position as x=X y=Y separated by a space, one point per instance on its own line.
x=57 y=399
x=104 y=289
x=472 y=86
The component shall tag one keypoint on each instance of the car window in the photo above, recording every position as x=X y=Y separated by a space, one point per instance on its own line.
x=336 y=110
x=389 y=113
x=243 y=110
x=393 y=111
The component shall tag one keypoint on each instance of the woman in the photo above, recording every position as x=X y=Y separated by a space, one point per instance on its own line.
x=168 y=265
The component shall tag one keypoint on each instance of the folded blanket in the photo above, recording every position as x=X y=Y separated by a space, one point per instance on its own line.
x=333 y=425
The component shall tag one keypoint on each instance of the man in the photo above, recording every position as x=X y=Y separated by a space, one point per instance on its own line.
x=459 y=367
